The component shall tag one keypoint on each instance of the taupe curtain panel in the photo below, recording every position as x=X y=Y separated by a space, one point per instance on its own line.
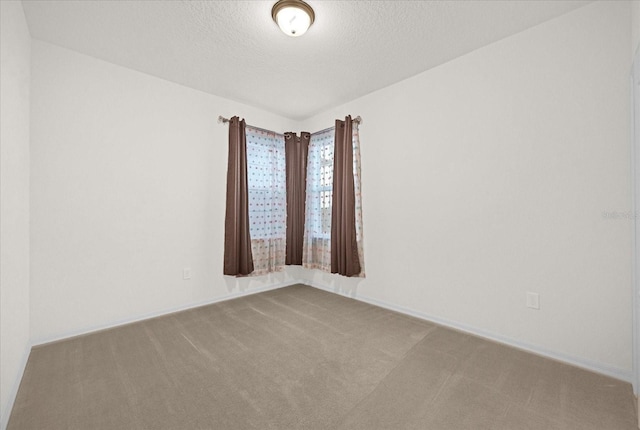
x=296 y=150
x=344 y=247
x=238 y=260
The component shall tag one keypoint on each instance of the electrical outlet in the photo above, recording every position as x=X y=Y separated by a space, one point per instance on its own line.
x=186 y=273
x=533 y=300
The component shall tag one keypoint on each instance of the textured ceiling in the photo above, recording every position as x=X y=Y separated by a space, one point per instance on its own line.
x=233 y=49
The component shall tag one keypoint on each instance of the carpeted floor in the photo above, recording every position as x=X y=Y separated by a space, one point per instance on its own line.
x=302 y=358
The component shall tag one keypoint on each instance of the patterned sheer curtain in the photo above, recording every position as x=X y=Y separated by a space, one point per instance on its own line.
x=266 y=173
x=317 y=234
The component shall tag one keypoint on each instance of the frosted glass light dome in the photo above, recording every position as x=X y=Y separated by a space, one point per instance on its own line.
x=294 y=17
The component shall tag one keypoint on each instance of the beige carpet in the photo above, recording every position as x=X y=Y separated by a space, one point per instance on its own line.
x=302 y=358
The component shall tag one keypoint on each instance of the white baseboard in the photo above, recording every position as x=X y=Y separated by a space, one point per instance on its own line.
x=113 y=324
x=613 y=372
x=8 y=406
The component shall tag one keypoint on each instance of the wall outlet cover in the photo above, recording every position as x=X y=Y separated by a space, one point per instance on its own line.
x=533 y=300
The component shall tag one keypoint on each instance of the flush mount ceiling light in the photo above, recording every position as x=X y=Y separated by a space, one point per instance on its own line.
x=294 y=17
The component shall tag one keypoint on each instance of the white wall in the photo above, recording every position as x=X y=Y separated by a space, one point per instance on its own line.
x=488 y=177
x=635 y=26
x=15 y=47
x=635 y=46
x=127 y=189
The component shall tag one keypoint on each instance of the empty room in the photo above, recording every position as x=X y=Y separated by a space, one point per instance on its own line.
x=319 y=214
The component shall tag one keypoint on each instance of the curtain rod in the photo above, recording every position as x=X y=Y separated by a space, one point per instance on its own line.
x=223 y=120
x=357 y=120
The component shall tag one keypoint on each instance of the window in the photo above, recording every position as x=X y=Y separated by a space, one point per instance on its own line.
x=319 y=185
